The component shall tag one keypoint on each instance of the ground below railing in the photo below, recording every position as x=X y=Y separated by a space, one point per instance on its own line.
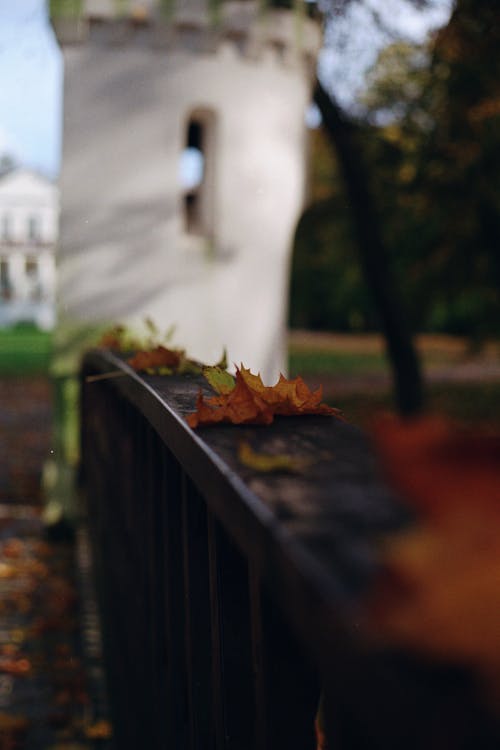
x=51 y=681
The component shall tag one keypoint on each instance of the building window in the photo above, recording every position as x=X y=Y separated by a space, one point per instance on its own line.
x=196 y=173
x=5 y=290
x=33 y=228
x=6 y=228
x=31 y=267
x=33 y=277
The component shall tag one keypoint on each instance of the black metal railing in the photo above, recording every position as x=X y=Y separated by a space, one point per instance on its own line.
x=230 y=602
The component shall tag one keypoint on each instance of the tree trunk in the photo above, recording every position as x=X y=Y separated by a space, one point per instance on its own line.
x=374 y=260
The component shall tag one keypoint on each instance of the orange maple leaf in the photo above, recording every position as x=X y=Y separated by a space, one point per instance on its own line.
x=251 y=402
x=438 y=465
x=112 y=339
x=439 y=591
x=160 y=356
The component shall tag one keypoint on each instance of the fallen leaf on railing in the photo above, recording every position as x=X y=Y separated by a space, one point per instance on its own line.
x=112 y=339
x=220 y=379
x=163 y=361
x=319 y=726
x=269 y=463
x=120 y=338
x=439 y=591
x=155 y=359
x=100 y=730
x=251 y=402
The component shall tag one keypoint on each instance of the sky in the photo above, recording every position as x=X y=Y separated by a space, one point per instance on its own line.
x=30 y=86
x=353 y=40
x=31 y=70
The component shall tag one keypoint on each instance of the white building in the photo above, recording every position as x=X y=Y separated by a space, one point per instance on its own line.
x=211 y=259
x=29 y=214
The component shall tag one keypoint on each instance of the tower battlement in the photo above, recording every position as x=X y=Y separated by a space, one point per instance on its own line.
x=288 y=36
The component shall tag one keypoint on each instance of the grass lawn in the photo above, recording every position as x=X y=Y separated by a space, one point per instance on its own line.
x=353 y=370
x=24 y=350
x=469 y=403
x=308 y=362
x=356 y=376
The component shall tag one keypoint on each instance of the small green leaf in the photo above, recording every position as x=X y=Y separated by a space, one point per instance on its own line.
x=222 y=364
x=191 y=367
x=221 y=381
x=151 y=326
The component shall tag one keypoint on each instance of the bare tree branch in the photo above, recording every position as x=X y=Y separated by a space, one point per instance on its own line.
x=376 y=267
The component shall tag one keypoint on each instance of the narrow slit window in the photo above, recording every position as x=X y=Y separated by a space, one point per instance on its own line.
x=196 y=174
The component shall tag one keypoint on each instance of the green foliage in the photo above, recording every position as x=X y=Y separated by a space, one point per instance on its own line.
x=122 y=7
x=314 y=362
x=459 y=168
x=443 y=221
x=65 y=8
x=24 y=350
x=431 y=140
x=166 y=9
x=327 y=290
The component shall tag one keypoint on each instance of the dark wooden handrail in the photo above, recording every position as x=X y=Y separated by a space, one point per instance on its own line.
x=231 y=600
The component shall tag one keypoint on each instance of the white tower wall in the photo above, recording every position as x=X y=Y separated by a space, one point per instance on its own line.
x=125 y=251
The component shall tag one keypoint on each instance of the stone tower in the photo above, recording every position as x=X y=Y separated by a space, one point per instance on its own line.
x=143 y=82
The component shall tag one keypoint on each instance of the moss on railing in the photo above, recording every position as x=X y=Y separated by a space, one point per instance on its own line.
x=74 y=8
x=65 y=8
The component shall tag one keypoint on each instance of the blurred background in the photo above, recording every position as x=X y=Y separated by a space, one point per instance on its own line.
x=355 y=241
x=414 y=87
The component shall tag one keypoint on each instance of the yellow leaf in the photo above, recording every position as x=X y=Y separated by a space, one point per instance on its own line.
x=221 y=381
x=269 y=462
x=100 y=730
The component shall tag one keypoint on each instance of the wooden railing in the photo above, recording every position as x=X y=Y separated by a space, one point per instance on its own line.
x=230 y=600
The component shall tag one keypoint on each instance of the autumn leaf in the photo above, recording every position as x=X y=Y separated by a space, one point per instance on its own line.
x=159 y=357
x=251 y=402
x=319 y=726
x=439 y=592
x=120 y=338
x=437 y=465
x=112 y=339
x=220 y=380
x=240 y=406
x=100 y=730
x=269 y=462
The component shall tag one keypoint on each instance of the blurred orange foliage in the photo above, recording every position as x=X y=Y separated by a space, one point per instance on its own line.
x=440 y=589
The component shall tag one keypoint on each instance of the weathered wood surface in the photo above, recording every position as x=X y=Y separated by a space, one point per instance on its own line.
x=328 y=517
x=311 y=539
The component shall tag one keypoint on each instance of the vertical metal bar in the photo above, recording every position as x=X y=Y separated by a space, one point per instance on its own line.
x=197 y=613
x=188 y=618
x=146 y=509
x=292 y=685
x=233 y=674
x=216 y=636
x=260 y=739
x=159 y=593
x=156 y=591
x=237 y=666
x=176 y=688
